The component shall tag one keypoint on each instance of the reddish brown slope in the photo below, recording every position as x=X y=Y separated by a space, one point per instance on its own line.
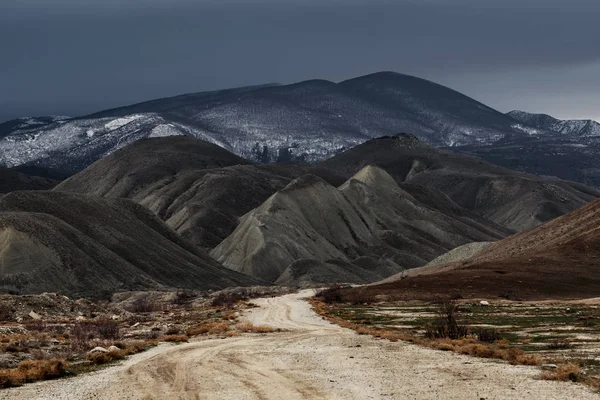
x=560 y=259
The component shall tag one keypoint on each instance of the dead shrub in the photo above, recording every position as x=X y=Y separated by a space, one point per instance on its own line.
x=488 y=335
x=330 y=295
x=565 y=372
x=174 y=338
x=100 y=329
x=227 y=300
x=6 y=312
x=210 y=328
x=36 y=325
x=248 y=327
x=560 y=344
x=143 y=305
x=518 y=356
x=104 y=358
x=31 y=371
x=446 y=325
x=173 y=330
x=184 y=297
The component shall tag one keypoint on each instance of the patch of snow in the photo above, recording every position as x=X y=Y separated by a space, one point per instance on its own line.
x=119 y=122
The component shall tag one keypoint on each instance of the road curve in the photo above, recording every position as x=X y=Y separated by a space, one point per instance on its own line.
x=311 y=359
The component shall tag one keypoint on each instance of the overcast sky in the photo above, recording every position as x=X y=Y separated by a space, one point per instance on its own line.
x=78 y=56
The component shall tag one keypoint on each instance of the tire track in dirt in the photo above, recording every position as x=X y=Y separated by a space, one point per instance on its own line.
x=311 y=359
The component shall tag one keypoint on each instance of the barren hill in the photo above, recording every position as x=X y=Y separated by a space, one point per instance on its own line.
x=197 y=188
x=510 y=198
x=88 y=246
x=11 y=179
x=368 y=216
x=559 y=259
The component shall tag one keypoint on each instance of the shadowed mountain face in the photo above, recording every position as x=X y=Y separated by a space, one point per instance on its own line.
x=512 y=199
x=389 y=204
x=88 y=246
x=557 y=260
x=307 y=121
x=368 y=216
x=197 y=188
x=11 y=179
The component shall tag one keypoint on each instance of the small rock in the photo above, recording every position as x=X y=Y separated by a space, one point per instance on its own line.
x=135 y=325
x=549 y=366
x=34 y=315
x=98 y=350
x=113 y=348
x=80 y=318
x=55 y=342
x=484 y=303
x=114 y=317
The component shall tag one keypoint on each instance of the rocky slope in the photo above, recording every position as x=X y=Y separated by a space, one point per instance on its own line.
x=197 y=188
x=510 y=198
x=558 y=259
x=88 y=246
x=368 y=216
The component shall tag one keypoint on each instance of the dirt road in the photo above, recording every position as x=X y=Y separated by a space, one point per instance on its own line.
x=312 y=359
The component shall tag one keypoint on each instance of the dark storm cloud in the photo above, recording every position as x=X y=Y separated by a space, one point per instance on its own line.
x=73 y=57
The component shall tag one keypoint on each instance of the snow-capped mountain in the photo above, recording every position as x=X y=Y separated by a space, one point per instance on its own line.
x=21 y=124
x=312 y=121
x=309 y=121
x=569 y=127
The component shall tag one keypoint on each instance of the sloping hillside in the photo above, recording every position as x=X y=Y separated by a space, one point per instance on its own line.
x=368 y=216
x=557 y=260
x=510 y=198
x=197 y=188
x=88 y=246
x=11 y=179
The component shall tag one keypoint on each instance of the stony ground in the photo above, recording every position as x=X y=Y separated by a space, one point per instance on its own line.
x=309 y=359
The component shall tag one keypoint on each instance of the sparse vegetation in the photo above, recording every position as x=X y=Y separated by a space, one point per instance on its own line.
x=227 y=300
x=446 y=326
x=32 y=371
x=248 y=327
x=565 y=372
x=518 y=333
x=209 y=328
x=144 y=305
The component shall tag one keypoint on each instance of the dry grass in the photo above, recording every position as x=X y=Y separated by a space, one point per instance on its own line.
x=209 y=328
x=174 y=338
x=565 y=372
x=499 y=349
x=32 y=371
x=104 y=358
x=248 y=327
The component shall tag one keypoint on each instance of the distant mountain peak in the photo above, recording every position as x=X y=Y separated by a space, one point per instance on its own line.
x=569 y=127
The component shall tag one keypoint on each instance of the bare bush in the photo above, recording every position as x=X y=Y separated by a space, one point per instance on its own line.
x=98 y=329
x=210 y=328
x=560 y=344
x=565 y=372
x=143 y=305
x=184 y=297
x=248 y=327
x=227 y=300
x=446 y=325
x=488 y=335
